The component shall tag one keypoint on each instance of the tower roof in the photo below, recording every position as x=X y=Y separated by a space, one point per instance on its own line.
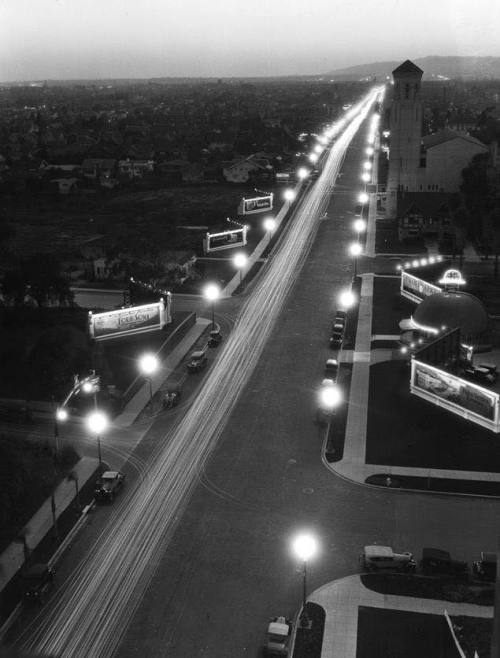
x=453 y=309
x=408 y=67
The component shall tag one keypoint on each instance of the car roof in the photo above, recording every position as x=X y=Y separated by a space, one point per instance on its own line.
x=436 y=553
x=380 y=551
x=109 y=475
x=198 y=354
x=332 y=362
x=277 y=628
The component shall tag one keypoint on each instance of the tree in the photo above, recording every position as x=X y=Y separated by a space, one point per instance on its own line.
x=39 y=278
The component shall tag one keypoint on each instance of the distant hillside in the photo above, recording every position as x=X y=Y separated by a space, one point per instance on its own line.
x=433 y=67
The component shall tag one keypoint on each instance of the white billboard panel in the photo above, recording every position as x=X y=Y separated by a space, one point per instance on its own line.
x=236 y=237
x=256 y=204
x=416 y=289
x=458 y=395
x=131 y=320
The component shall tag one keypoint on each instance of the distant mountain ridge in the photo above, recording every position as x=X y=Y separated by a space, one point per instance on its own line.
x=434 y=67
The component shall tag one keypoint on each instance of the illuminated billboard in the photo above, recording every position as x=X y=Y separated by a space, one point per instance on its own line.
x=416 y=289
x=131 y=320
x=236 y=237
x=458 y=395
x=256 y=204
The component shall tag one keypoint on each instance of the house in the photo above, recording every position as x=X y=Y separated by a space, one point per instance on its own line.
x=96 y=167
x=422 y=214
x=69 y=168
x=135 y=168
x=66 y=185
x=241 y=171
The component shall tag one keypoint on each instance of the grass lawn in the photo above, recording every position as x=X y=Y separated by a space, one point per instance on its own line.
x=398 y=634
x=389 y=306
x=430 y=587
x=435 y=438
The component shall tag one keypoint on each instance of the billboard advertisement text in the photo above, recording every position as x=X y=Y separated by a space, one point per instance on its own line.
x=257 y=204
x=225 y=240
x=131 y=320
x=416 y=289
x=456 y=394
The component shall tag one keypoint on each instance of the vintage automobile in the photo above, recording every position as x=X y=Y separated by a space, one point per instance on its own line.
x=436 y=562
x=197 y=361
x=215 y=337
x=481 y=374
x=383 y=558
x=37 y=582
x=336 y=339
x=278 y=636
x=331 y=369
x=485 y=568
x=108 y=485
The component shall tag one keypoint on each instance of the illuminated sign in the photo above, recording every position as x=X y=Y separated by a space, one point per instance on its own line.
x=452 y=278
x=131 y=320
x=455 y=394
x=257 y=204
x=236 y=237
x=416 y=289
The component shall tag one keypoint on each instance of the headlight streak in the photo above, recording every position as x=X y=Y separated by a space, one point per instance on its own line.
x=98 y=602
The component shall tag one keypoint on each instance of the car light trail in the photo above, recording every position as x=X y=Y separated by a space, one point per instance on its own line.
x=98 y=602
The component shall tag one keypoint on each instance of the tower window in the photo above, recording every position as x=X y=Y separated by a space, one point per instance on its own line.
x=407 y=91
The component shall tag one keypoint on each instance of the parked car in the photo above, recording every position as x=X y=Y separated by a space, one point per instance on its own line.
x=197 y=361
x=485 y=568
x=37 y=581
x=481 y=374
x=331 y=369
x=336 y=340
x=338 y=326
x=341 y=316
x=383 y=558
x=108 y=485
x=278 y=636
x=215 y=338
x=358 y=210
x=436 y=562
x=172 y=396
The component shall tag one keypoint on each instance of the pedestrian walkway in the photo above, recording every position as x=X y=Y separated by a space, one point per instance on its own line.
x=342 y=598
x=352 y=465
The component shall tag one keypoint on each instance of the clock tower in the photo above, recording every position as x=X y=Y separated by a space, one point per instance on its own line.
x=406 y=133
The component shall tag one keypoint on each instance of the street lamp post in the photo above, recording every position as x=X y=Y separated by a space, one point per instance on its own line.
x=212 y=292
x=355 y=250
x=240 y=260
x=148 y=365
x=97 y=422
x=347 y=299
x=359 y=226
x=304 y=546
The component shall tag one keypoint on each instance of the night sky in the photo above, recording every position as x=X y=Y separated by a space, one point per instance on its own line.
x=61 y=39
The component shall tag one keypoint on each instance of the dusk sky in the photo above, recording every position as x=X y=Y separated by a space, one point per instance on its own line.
x=58 y=39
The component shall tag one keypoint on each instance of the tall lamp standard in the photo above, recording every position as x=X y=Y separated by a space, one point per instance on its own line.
x=269 y=224
x=148 y=365
x=212 y=292
x=355 y=249
x=359 y=226
x=305 y=546
x=97 y=422
x=240 y=260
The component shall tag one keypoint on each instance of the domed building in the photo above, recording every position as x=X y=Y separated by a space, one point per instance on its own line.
x=447 y=310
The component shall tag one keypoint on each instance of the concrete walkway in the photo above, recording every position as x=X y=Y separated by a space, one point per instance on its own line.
x=342 y=598
x=352 y=465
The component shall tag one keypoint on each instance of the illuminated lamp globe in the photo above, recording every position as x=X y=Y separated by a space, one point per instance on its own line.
x=148 y=364
x=269 y=224
x=97 y=422
x=62 y=414
x=363 y=197
x=211 y=292
x=347 y=299
x=289 y=195
x=305 y=547
x=302 y=173
x=366 y=177
x=313 y=158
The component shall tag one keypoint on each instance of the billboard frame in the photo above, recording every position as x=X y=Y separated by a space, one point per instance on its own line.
x=419 y=285
x=206 y=240
x=139 y=319
x=492 y=424
x=243 y=208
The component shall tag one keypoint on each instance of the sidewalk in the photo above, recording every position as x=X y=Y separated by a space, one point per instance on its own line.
x=12 y=559
x=342 y=598
x=352 y=465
